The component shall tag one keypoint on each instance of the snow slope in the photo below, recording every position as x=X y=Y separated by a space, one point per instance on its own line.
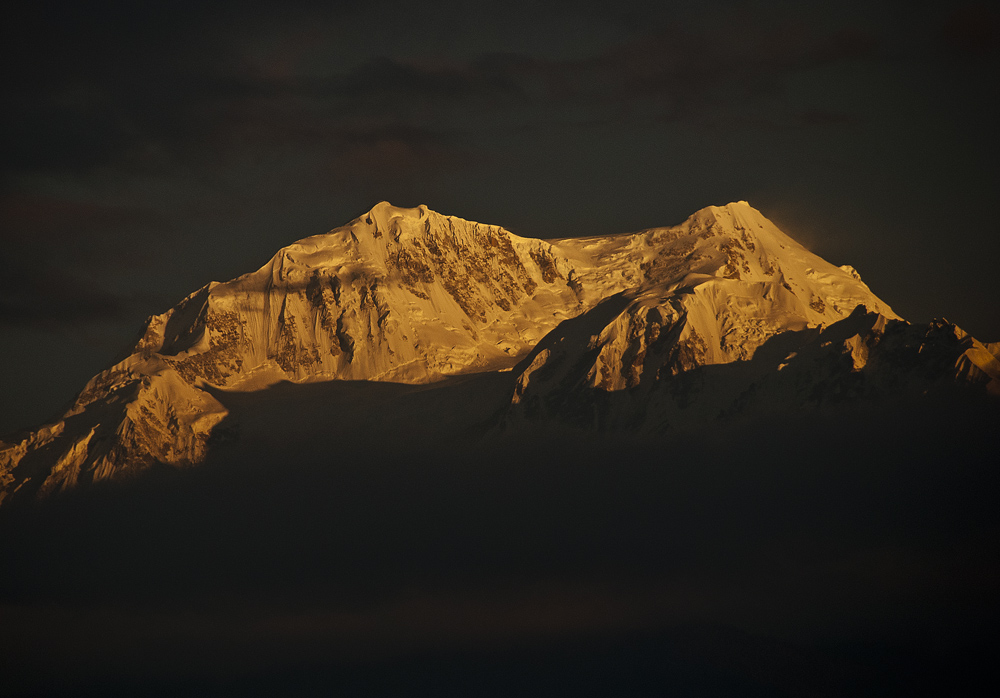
x=412 y=296
x=404 y=295
x=711 y=292
x=712 y=289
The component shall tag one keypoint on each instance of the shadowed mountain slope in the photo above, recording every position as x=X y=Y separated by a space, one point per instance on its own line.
x=614 y=331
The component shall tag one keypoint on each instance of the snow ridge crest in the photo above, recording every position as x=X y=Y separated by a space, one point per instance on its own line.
x=408 y=295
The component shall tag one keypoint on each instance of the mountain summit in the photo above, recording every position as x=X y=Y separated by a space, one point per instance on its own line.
x=599 y=331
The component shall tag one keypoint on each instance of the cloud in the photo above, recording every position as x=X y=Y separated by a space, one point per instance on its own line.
x=692 y=75
x=358 y=548
x=824 y=117
x=27 y=215
x=392 y=149
x=53 y=250
x=971 y=32
x=401 y=79
x=198 y=87
x=43 y=297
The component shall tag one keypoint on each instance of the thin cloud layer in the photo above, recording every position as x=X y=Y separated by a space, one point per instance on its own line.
x=180 y=94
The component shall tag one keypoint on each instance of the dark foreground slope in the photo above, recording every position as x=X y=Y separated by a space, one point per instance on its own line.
x=838 y=551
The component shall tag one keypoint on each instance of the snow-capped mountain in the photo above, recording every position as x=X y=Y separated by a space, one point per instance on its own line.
x=620 y=331
x=716 y=290
x=397 y=294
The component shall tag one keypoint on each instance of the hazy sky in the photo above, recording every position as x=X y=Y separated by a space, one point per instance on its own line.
x=149 y=148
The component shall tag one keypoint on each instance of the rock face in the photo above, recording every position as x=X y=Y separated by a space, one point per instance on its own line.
x=866 y=358
x=404 y=295
x=712 y=292
x=708 y=291
x=619 y=331
x=398 y=294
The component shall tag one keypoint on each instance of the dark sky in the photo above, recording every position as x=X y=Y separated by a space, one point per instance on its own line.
x=148 y=148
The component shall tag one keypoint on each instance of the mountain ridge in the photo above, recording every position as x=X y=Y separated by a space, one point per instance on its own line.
x=412 y=296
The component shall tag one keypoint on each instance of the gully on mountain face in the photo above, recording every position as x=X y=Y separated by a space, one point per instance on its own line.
x=664 y=328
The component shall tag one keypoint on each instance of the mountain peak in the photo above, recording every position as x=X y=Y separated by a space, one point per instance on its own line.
x=740 y=205
x=738 y=214
x=386 y=209
x=408 y=295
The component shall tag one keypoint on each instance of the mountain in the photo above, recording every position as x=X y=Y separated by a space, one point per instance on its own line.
x=719 y=316
x=731 y=317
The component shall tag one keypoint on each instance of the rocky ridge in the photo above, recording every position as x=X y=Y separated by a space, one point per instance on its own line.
x=719 y=288
x=622 y=331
